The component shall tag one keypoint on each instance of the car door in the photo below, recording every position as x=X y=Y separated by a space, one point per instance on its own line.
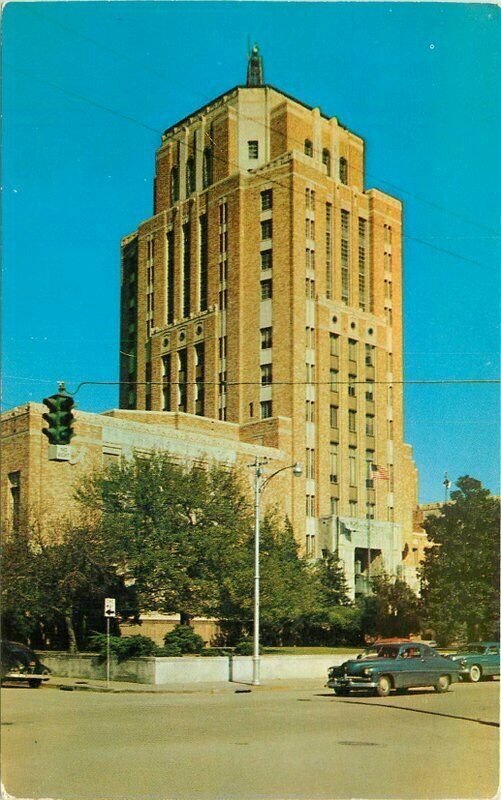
x=410 y=672
x=492 y=660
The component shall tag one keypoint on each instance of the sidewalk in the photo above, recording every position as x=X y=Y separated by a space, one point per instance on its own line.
x=117 y=687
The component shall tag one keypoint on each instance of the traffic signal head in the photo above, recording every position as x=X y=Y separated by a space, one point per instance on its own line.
x=60 y=417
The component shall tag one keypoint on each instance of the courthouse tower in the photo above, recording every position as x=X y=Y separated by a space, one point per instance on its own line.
x=266 y=290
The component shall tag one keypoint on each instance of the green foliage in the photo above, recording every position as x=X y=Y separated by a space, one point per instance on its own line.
x=124 y=647
x=184 y=638
x=391 y=610
x=246 y=648
x=169 y=650
x=460 y=572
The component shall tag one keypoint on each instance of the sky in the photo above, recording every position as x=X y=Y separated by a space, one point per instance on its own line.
x=88 y=88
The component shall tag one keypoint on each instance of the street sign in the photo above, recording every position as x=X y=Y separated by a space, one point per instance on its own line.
x=109 y=607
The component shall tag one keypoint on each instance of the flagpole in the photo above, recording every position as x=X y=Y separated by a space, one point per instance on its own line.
x=369 y=534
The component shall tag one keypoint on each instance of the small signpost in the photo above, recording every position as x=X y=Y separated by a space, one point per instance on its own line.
x=109 y=613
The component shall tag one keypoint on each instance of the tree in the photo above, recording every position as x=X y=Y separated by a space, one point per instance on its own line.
x=180 y=531
x=54 y=583
x=460 y=572
x=392 y=609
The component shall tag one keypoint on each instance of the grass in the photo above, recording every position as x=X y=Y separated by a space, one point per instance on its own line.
x=310 y=651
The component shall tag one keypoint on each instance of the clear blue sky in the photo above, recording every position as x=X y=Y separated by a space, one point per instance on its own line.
x=87 y=89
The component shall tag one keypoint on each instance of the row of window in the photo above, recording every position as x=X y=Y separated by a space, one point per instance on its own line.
x=191 y=175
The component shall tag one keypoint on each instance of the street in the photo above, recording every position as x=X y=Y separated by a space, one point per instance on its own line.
x=271 y=742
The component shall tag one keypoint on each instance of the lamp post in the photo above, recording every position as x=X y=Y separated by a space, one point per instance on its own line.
x=259 y=487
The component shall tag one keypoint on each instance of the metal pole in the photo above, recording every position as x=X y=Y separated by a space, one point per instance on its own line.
x=256 y=658
x=368 y=535
x=107 y=652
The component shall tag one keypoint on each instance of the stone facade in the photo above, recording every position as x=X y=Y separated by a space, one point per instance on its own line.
x=268 y=285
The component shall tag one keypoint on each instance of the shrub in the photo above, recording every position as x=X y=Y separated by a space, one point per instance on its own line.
x=185 y=638
x=246 y=648
x=124 y=647
x=169 y=650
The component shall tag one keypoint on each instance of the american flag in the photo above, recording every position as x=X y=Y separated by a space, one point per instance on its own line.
x=379 y=473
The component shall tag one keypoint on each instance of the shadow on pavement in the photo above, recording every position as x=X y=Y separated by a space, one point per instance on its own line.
x=420 y=711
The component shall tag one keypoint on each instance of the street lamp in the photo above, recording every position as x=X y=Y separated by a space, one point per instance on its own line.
x=258 y=488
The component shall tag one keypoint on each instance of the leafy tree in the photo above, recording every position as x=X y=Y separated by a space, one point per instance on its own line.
x=392 y=609
x=460 y=572
x=180 y=531
x=332 y=583
x=54 y=583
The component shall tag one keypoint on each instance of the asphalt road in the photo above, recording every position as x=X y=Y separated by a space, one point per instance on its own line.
x=269 y=743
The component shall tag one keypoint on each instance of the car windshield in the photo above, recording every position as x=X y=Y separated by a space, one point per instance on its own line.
x=370 y=652
x=388 y=651
x=477 y=649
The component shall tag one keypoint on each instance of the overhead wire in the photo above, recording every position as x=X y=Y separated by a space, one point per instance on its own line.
x=159 y=74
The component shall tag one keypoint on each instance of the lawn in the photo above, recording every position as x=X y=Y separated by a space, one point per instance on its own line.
x=310 y=651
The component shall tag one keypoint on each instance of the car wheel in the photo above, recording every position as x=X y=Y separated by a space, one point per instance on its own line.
x=475 y=673
x=35 y=683
x=383 y=687
x=443 y=683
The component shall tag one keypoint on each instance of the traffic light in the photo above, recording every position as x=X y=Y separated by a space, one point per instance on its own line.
x=59 y=416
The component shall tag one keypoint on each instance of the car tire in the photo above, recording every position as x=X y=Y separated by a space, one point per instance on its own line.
x=383 y=687
x=475 y=674
x=35 y=683
x=443 y=683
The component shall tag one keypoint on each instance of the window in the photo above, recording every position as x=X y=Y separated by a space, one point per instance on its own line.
x=266 y=229
x=310 y=337
x=204 y=261
x=334 y=344
x=266 y=199
x=345 y=254
x=352 y=462
x=182 y=375
x=207 y=168
x=369 y=425
x=170 y=277
x=333 y=462
x=308 y=148
x=266 y=259
x=186 y=269
x=253 y=146
x=310 y=505
x=15 y=498
x=352 y=349
x=310 y=288
x=199 y=378
x=352 y=390
x=353 y=508
x=328 y=249
x=310 y=463
x=369 y=355
x=266 y=338
x=266 y=289
x=352 y=420
x=310 y=373
x=310 y=411
x=190 y=176
x=334 y=505
x=362 y=228
x=223 y=299
x=343 y=170
x=334 y=416
x=174 y=184
x=326 y=160
x=266 y=409
x=266 y=375
x=333 y=379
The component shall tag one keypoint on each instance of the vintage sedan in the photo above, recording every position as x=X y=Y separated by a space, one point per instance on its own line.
x=396 y=666
x=19 y=663
x=477 y=660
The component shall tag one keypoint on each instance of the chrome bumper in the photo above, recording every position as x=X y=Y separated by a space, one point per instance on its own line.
x=348 y=682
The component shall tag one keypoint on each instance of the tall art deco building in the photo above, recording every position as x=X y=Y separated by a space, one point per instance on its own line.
x=266 y=290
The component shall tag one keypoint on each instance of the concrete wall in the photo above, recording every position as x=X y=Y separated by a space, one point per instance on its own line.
x=191 y=669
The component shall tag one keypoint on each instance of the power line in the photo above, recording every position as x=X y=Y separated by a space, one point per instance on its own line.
x=227 y=161
x=159 y=74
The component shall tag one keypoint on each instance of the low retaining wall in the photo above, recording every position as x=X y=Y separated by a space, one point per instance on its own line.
x=191 y=669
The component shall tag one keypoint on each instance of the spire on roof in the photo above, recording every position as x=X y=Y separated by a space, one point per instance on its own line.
x=255 y=71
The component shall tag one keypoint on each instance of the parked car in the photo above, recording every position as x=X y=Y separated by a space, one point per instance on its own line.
x=477 y=660
x=20 y=663
x=395 y=666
